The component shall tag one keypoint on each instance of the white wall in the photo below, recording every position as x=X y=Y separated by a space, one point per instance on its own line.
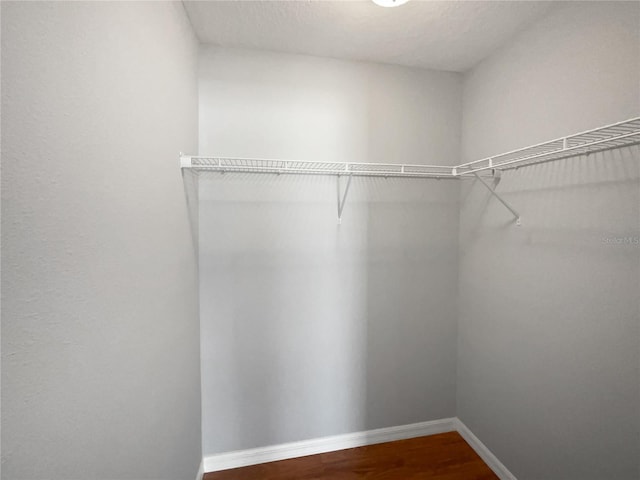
x=100 y=349
x=259 y=104
x=548 y=349
x=310 y=328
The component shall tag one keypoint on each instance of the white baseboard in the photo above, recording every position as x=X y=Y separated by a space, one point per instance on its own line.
x=481 y=449
x=200 y=473
x=254 y=456
x=243 y=458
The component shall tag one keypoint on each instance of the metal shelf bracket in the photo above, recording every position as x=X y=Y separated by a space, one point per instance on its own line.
x=185 y=161
x=493 y=192
x=612 y=136
x=342 y=198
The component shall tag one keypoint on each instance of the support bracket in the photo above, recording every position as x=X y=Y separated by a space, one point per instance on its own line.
x=493 y=192
x=342 y=198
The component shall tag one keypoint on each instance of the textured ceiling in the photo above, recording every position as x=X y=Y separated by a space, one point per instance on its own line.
x=453 y=35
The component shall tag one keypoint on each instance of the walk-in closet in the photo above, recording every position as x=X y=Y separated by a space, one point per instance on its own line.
x=278 y=240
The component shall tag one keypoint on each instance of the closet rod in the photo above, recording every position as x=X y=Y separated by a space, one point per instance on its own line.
x=615 y=135
x=307 y=167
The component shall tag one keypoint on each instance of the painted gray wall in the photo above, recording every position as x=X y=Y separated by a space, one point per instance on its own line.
x=100 y=349
x=310 y=328
x=548 y=352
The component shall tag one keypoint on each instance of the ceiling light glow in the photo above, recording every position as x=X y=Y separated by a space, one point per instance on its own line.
x=390 y=3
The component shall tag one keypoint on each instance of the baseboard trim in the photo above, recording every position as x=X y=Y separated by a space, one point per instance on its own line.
x=481 y=449
x=254 y=456
x=243 y=458
x=200 y=473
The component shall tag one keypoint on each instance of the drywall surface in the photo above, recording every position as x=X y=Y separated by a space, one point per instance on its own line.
x=310 y=328
x=100 y=349
x=420 y=34
x=549 y=329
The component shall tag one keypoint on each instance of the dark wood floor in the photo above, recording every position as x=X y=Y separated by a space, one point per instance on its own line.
x=445 y=456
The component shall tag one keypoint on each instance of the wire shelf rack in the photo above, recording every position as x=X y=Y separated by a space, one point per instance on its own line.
x=616 y=135
x=258 y=165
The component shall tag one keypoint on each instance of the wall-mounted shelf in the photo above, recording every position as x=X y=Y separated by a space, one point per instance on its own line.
x=259 y=165
x=616 y=135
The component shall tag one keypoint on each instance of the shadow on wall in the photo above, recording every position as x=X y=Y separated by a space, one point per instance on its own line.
x=583 y=200
x=550 y=317
x=190 y=183
x=310 y=328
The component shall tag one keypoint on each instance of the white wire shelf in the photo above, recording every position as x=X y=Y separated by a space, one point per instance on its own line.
x=616 y=135
x=259 y=165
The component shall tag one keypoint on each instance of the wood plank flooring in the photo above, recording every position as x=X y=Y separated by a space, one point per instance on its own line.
x=445 y=456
